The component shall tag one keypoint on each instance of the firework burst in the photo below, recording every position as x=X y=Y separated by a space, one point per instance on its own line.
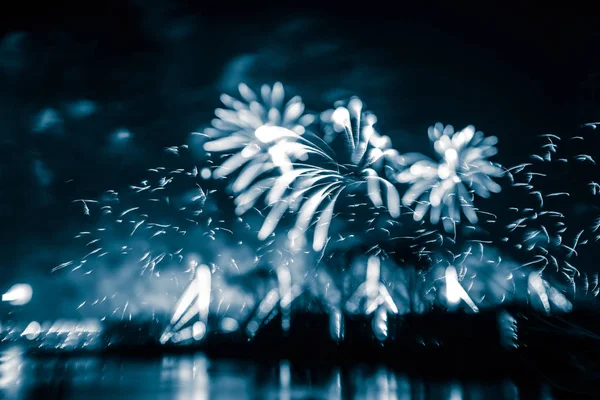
x=242 y=131
x=447 y=187
x=314 y=169
x=282 y=162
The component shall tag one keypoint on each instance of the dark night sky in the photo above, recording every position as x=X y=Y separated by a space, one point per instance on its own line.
x=156 y=68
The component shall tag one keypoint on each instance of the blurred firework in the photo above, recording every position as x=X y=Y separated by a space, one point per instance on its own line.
x=341 y=178
x=314 y=169
x=448 y=187
x=242 y=128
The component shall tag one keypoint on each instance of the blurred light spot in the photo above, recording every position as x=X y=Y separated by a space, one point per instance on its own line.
x=336 y=328
x=165 y=337
x=452 y=286
x=198 y=330
x=121 y=135
x=507 y=325
x=285 y=295
x=252 y=328
x=456 y=392
x=81 y=109
x=373 y=275
x=205 y=173
x=444 y=171
x=381 y=141
x=341 y=119
x=42 y=173
x=11 y=52
x=379 y=324
x=285 y=375
x=203 y=284
x=18 y=295
x=119 y=141
x=536 y=284
x=11 y=363
x=183 y=334
x=32 y=330
x=229 y=324
x=47 y=120
x=559 y=300
x=376 y=153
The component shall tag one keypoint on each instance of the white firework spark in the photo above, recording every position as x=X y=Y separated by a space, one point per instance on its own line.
x=449 y=186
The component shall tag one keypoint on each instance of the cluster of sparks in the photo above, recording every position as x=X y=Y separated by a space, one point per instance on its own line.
x=149 y=225
x=558 y=221
x=331 y=170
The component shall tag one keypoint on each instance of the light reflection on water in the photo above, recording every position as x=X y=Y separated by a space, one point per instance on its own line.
x=194 y=377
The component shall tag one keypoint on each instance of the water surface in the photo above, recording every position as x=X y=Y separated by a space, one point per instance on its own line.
x=197 y=377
